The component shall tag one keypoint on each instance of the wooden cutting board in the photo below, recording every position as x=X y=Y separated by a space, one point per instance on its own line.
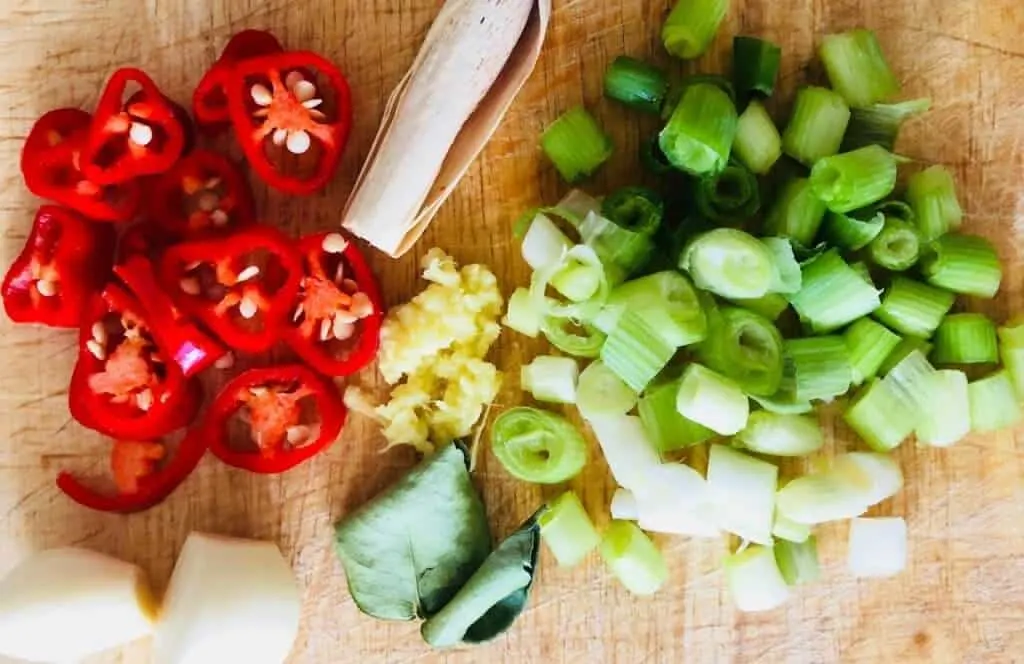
x=962 y=598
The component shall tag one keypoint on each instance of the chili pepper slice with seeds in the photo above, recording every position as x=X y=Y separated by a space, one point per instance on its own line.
x=202 y=193
x=284 y=431
x=209 y=101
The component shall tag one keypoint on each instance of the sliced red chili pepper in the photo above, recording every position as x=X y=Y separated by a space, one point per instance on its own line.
x=128 y=139
x=209 y=102
x=65 y=261
x=241 y=286
x=284 y=431
x=180 y=114
x=122 y=386
x=191 y=349
x=50 y=165
x=292 y=124
x=337 y=315
x=141 y=484
x=142 y=239
x=203 y=192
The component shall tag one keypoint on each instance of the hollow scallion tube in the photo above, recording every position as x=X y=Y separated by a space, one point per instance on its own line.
x=567 y=530
x=966 y=339
x=994 y=402
x=578 y=281
x=852 y=180
x=906 y=346
x=897 y=247
x=699 y=134
x=711 y=399
x=780 y=435
x=947 y=415
x=729 y=263
x=653 y=159
x=600 y=392
x=636 y=83
x=665 y=426
x=1011 y=349
x=757 y=143
x=857 y=68
x=522 y=314
x=821 y=366
x=832 y=294
x=537 y=446
x=798 y=561
x=932 y=195
x=770 y=306
x=745 y=347
x=797 y=213
x=754 y=579
x=635 y=351
x=637 y=209
x=816 y=126
x=729 y=198
x=579 y=339
x=868 y=343
x=576 y=144
x=755 y=64
x=691 y=26
x=551 y=379
x=849 y=232
x=665 y=300
x=879 y=124
x=633 y=558
x=966 y=264
x=912 y=308
x=880 y=416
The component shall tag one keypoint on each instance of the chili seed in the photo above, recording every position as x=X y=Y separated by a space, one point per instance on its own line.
x=96 y=349
x=325 y=329
x=99 y=332
x=140 y=134
x=249 y=273
x=297 y=434
x=334 y=243
x=261 y=95
x=298 y=142
x=247 y=308
x=190 y=286
x=144 y=400
x=46 y=288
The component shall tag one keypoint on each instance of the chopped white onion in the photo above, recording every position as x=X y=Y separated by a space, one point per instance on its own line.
x=878 y=547
x=630 y=455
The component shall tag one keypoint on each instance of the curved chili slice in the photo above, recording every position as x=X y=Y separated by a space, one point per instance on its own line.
x=209 y=102
x=203 y=193
x=241 y=286
x=291 y=123
x=65 y=262
x=337 y=315
x=283 y=431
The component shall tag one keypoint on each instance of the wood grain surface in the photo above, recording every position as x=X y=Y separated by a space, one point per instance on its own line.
x=962 y=598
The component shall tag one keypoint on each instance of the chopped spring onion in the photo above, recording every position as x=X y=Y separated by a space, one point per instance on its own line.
x=857 y=68
x=627 y=449
x=797 y=213
x=897 y=209
x=691 y=26
x=932 y=195
x=745 y=347
x=788 y=277
x=633 y=558
x=784 y=403
x=544 y=244
x=757 y=143
x=665 y=426
x=994 y=402
x=906 y=346
x=623 y=250
x=913 y=308
x=821 y=367
x=897 y=247
x=567 y=530
x=852 y=180
x=770 y=306
x=578 y=281
x=743 y=492
x=653 y=159
x=638 y=209
x=551 y=379
x=877 y=547
x=581 y=340
x=635 y=352
x=587 y=268
x=624 y=505
x=798 y=561
x=833 y=294
x=730 y=197
x=600 y=392
x=966 y=339
x=869 y=344
x=853 y=483
x=880 y=416
x=676 y=90
x=879 y=124
x=862 y=269
x=754 y=580
x=781 y=435
x=947 y=415
x=676 y=499
x=665 y=300
x=846 y=231
x=576 y=144
x=636 y=83
x=713 y=400
x=965 y=264
x=729 y=263
x=755 y=64
x=914 y=379
x=698 y=137
x=537 y=446
x=789 y=530
x=522 y=314
x=817 y=125
x=1011 y=349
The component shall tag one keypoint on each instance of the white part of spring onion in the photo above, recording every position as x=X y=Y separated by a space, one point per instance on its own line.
x=600 y=391
x=754 y=580
x=877 y=547
x=853 y=483
x=781 y=435
x=789 y=530
x=623 y=505
x=581 y=258
x=522 y=314
x=743 y=493
x=576 y=205
x=788 y=277
x=676 y=499
x=633 y=558
x=630 y=455
x=552 y=379
x=713 y=400
x=567 y=530
x=665 y=300
x=947 y=416
x=544 y=243
x=729 y=263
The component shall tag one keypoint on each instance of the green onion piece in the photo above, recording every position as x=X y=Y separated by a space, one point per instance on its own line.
x=665 y=426
x=636 y=83
x=1011 y=349
x=600 y=392
x=785 y=528
x=729 y=263
x=627 y=449
x=770 y=306
x=848 y=232
x=994 y=402
x=947 y=415
x=862 y=269
x=857 y=68
x=729 y=198
x=581 y=340
x=653 y=159
x=833 y=294
x=965 y=264
x=624 y=505
x=897 y=209
x=635 y=351
x=589 y=270
x=798 y=561
x=666 y=301
x=622 y=250
x=567 y=530
x=906 y=346
x=886 y=411
x=877 y=547
x=745 y=347
x=817 y=125
x=576 y=144
x=544 y=243
x=797 y=213
x=754 y=580
x=698 y=137
x=852 y=180
x=575 y=206
x=788 y=277
x=550 y=378
x=537 y=446
x=757 y=143
x=880 y=124
x=578 y=281
x=522 y=314
x=932 y=195
x=897 y=247
x=755 y=64
x=784 y=404
x=633 y=558
x=676 y=90
x=713 y=400
x=914 y=379
x=638 y=209
x=913 y=308
x=742 y=493
x=821 y=366
x=691 y=26
x=781 y=435
x=853 y=483
x=868 y=343
x=966 y=339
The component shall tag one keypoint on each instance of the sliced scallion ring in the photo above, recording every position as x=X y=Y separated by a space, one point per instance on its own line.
x=729 y=263
x=537 y=446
